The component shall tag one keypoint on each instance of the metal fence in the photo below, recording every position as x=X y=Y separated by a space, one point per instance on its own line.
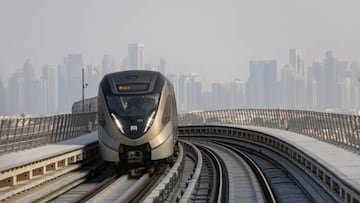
x=19 y=133
x=330 y=127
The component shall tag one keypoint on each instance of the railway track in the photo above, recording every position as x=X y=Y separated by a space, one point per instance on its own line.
x=242 y=183
x=213 y=184
x=206 y=170
x=287 y=181
x=99 y=183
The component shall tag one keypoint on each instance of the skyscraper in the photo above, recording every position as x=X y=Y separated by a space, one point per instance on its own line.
x=74 y=65
x=62 y=77
x=49 y=90
x=296 y=61
x=237 y=94
x=293 y=89
x=92 y=79
x=194 y=92
x=3 y=99
x=135 y=56
x=163 y=66
x=174 y=80
x=344 y=84
x=315 y=85
x=29 y=70
x=355 y=84
x=182 y=93
x=108 y=65
x=16 y=93
x=261 y=85
x=220 y=95
x=30 y=102
x=330 y=83
x=190 y=90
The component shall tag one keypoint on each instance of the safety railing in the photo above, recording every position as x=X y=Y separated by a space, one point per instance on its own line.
x=334 y=128
x=19 y=133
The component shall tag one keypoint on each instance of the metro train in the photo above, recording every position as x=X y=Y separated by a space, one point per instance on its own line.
x=137 y=118
x=90 y=105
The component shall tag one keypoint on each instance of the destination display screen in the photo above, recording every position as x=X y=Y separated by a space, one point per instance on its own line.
x=132 y=87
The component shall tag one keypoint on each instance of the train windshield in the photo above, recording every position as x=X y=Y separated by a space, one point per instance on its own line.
x=135 y=105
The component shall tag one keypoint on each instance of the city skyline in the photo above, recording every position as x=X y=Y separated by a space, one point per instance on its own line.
x=192 y=36
x=109 y=61
x=330 y=84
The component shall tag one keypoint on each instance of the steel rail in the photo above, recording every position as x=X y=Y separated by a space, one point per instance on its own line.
x=221 y=184
x=98 y=188
x=264 y=183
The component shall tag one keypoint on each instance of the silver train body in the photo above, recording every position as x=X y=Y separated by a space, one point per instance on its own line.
x=137 y=118
x=90 y=105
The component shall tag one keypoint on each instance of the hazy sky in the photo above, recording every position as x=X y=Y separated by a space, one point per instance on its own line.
x=214 y=38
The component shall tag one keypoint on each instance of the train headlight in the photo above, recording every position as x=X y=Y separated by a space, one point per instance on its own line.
x=118 y=123
x=149 y=121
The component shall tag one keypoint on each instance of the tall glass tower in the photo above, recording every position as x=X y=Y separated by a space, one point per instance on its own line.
x=135 y=56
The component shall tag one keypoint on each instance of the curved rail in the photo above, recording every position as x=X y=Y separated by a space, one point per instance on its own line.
x=339 y=187
x=220 y=189
x=268 y=192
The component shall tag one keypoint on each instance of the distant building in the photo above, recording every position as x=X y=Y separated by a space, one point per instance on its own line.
x=190 y=93
x=150 y=67
x=63 y=89
x=331 y=89
x=293 y=89
x=108 y=65
x=237 y=94
x=163 y=66
x=174 y=80
x=343 y=79
x=74 y=64
x=182 y=106
x=3 y=99
x=194 y=90
x=315 y=85
x=355 y=85
x=135 y=60
x=297 y=62
x=261 y=85
x=16 y=93
x=49 y=90
x=125 y=64
x=31 y=103
x=92 y=80
x=220 y=95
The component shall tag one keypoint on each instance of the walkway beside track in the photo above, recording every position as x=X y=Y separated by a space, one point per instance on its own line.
x=21 y=158
x=28 y=164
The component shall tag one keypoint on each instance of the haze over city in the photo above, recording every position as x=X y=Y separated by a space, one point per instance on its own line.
x=193 y=36
x=218 y=40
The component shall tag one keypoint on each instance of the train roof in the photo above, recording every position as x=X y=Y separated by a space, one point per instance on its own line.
x=133 y=81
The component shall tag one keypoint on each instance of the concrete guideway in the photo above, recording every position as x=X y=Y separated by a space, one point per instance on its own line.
x=340 y=160
x=336 y=169
x=21 y=166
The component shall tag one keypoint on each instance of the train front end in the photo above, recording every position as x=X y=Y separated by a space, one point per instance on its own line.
x=132 y=114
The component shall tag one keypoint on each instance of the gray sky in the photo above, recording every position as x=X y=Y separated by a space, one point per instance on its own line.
x=213 y=38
